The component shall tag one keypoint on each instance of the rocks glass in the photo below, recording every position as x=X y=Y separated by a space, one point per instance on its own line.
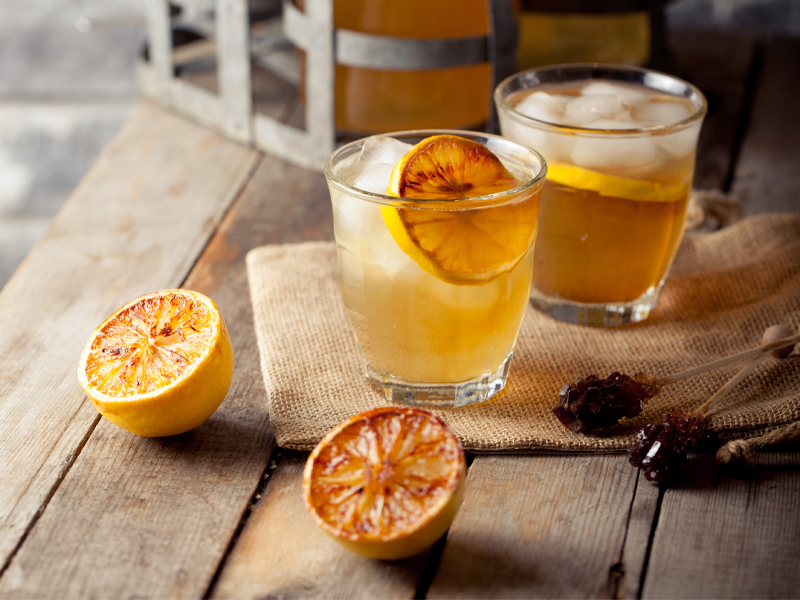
x=427 y=334
x=620 y=144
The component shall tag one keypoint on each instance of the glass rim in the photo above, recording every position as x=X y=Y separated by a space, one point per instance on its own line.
x=500 y=99
x=333 y=179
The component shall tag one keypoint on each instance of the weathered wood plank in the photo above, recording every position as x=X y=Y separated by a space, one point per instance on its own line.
x=641 y=523
x=141 y=517
x=281 y=553
x=767 y=176
x=720 y=65
x=723 y=537
x=144 y=541
x=161 y=513
x=548 y=526
x=136 y=223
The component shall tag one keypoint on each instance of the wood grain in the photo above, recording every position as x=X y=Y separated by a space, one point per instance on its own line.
x=767 y=176
x=724 y=537
x=642 y=521
x=136 y=223
x=281 y=553
x=548 y=526
x=163 y=509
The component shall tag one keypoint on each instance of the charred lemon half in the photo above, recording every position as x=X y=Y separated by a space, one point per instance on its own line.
x=160 y=365
x=386 y=483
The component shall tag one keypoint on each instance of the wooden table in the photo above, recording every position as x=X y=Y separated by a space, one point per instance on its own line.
x=89 y=510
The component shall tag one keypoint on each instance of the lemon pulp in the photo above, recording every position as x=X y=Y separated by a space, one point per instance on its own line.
x=386 y=483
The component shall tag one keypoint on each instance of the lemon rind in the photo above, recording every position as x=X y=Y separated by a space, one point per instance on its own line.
x=613 y=186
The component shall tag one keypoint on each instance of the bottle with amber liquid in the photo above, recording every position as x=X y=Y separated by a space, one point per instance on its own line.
x=379 y=100
x=553 y=32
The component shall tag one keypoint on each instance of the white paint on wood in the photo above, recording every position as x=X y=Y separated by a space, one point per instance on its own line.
x=319 y=96
x=233 y=55
x=159 y=39
x=288 y=142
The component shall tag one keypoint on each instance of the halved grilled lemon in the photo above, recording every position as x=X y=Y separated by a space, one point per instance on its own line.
x=160 y=365
x=386 y=483
x=459 y=246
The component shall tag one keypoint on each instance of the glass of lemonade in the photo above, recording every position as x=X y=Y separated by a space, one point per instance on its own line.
x=620 y=144
x=435 y=288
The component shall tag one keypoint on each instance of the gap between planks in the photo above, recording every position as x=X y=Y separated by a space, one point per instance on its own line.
x=95 y=256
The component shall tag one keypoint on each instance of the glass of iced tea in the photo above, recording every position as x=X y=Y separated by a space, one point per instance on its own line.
x=435 y=234
x=620 y=143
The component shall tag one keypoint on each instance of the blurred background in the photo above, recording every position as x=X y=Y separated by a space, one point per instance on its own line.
x=68 y=81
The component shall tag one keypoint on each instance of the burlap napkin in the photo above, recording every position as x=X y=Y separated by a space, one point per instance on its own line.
x=724 y=290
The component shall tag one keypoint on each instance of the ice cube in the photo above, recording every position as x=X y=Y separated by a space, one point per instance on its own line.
x=561 y=98
x=660 y=113
x=387 y=255
x=377 y=150
x=613 y=153
x=627 y=94
x=612 y=124
x=680 y=143
x=584 y=109
x=382 y=248
x=375 y=179
x=380 y=149
x=472 y=298
x=349 y=215
x=542 y=107
x=553 y=146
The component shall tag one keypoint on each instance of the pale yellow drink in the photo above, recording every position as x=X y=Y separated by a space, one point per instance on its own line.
x=433 y=334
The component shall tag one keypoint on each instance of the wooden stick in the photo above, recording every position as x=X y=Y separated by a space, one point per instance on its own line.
x=761 y=351
x=744 y=372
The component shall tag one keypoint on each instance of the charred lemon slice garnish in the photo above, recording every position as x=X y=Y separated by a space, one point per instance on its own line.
x=447 y=167
x=460 y=246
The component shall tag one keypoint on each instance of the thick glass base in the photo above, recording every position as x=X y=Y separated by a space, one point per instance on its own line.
x=442 y=394
x=596 y=315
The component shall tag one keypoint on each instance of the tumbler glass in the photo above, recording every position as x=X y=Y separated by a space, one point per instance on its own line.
x=620 y=144
x=431 y=331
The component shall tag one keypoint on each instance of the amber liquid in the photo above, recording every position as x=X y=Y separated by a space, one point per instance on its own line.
x=593 y=246
x=554 y=39
x=374 y=101
x=595 y=249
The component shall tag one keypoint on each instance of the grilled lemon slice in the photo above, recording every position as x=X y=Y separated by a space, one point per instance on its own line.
x=460 y=246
